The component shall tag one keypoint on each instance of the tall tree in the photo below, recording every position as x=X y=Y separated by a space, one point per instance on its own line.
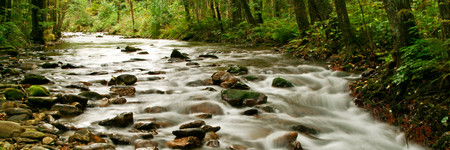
x=213 y=11
x=219 y=17
x=8 y=10
x=118 y=10
x=344 y=24
x=132 y=11
x=187 y=11
x=248 y=13
x=236 y=15
x=300 y=16
x=402 y=25
x=61 y=14
x=319 y=10
x=276 y=8
x=2 y=10
x=444 y=10
x=257 y=6
x=37 y=32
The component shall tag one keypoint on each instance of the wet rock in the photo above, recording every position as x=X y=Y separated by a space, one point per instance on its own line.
x=236 y=147
x=204 y=116
x=123 y=90
x=281 y=83
x=143 y=53
x=99 y=103
x=221 y=76
x=67 y=109
x=177 y=54
x=48 y=128
x=64 y=126
x=185 y=143
x=130 y=49
x=47 y=140
x=38 y=90
x=156 y=72
x=156 y=109
x=70 y=66
x=14 y=94
x=266 y=108
x=145 y=144
x=50 y=65
x=192 y=64
x=118 y=100
x=213 y=143
x=120 y=139
x=209 y=56
x=28 y=66
x=18 y=111
x=196 y=132
x=70 y=98
x=145 y=126
x=80 y=86
x=250 y=112
x=96 y=146
x=197 y=83
x=208 y=128
x=7 y=50
x=25 y=140
x=33 y=135
x=122 y=120
x=206 y=107
x=90 y=95
x=198 y=97
x=10 y=72
x=239 y=98
x=54 y=114
x=154 y=78
x=19 y=118
x=126 y=79
x=296 y=145
x=239 y=70
x=285 y=140
x=81 y=136
x=209 y=89
x=8 y=129
x=237 y=85
x=210 y=136
x=305 y=129
x=253 y=78
x=194 y=124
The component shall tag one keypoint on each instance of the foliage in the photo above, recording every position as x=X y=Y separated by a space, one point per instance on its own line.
x=11 y=35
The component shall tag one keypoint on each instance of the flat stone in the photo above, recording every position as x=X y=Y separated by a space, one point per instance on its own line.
x=8 y=129
x=82 y=136
x=33 y=135
x=197 y=132
x=185 y=143
x=122 y=120
x=123 y=90
x=194 y=124
x=67 y=109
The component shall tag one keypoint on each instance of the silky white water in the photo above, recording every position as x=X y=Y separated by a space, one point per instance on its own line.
x=320 y=98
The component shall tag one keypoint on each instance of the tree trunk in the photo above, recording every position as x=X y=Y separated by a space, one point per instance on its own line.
x=444 y=10
x=345 y=26
x=213 y=11
x=8 y=10
x=319 y=10
x=402 y=25
x=37 y=33
x=61 y=16
x=118 y=11
x=300 y=16
x=2 y=10
x=236 y=14
x=219 y=17
x=276 y=8
x=132 y=12
x=186 y=9
x=248 y=13
x=258 y=10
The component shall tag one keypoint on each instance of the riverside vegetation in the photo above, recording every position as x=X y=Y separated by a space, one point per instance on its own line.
x=401 y=48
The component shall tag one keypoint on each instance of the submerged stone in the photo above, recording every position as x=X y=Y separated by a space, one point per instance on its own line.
x=239 y=98
x=281 y=83
x=177 y=54
x=34 y=79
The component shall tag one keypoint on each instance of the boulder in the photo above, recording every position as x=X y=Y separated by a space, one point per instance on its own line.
x=33 y=135
x=66 y=109
x=38 y=90
x=81 y=136
x=145 y=144
x=130 y=49
x=50 y=65
x=305 y=130
x=192 y=64
x=206 y=107
x=70 y=98
x=34 y=79
x=19 y=118
x=18 y=111
x=209 y=56
x=253 y=78
x=239 y=98
x=70 y=66
x=177 y=54
x=8 y=129
x=90 y=95
x=281 y=83
x=122 y=120
x=10 y=71
x=239 y=70
x=185 y=143
x=14 y=94
x=155 y=109
x=47 y=140
x=156 y=72
x=213 y=143
x=194 y=124
x=123 y=90
x=208 y=128
x=126 y=79
x=28 y=66
x=250 y=112
x=226 y=80
x=143 y=53
x=285 y=140
x=145 y=126
x=118 y=100
x=204 y=116
x=119 y=139
x=196 y=132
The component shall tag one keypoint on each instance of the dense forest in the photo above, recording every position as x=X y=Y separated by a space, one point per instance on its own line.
x=401 y=47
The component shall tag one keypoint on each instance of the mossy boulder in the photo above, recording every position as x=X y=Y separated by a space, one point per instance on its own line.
x=9 y=71
x=281 y=83
x=14 y=94
x=239 y=98
x=239 y=70
x=34 y=79
x=177 y=54
x=38 y=90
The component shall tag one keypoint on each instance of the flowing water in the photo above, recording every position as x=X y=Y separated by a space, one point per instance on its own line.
x=320 y=98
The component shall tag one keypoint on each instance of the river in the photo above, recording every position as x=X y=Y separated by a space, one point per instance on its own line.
x=320 y=98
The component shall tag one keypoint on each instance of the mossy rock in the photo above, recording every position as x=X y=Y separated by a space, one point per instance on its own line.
x=282 y=83
x=239 y=98
x=177 y=54
x=38 y=90
x=239 y=70
x=34 y=79
x=11 y=51
x=14 y=94
x=9 y=71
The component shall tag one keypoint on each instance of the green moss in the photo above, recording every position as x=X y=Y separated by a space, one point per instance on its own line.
x=14 y=94
x=9 y=71
x=241 y=94
x=280 y=82
x=238 y=70
x=37 y=90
